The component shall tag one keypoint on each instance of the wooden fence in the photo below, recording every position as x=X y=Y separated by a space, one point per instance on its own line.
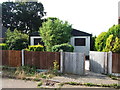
x=11 y=58
x=42 y=60
x=116 y=63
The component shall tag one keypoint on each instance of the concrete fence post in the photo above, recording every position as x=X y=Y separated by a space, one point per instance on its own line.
x=61 y=61
x=110 y=62
x=22 y=57
x=105 y=62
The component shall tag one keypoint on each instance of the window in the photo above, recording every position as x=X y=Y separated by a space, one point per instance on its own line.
x=80 y=42
x=38 y=41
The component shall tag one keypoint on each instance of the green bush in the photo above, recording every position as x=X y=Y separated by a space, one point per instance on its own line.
x=116 y=47
x=35 y=48
x=64 y=47
x=3 y=46
x=109 y=41
x=16 y=40
x=100 y=41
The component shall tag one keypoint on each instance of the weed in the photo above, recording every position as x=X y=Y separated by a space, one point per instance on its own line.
x=26 y=71
x=40 y=84
x=56 y=66
x=36 y=79
x=61 y=84
x=113 y=77
x=54 y=71
x=90 y=84
x=73 y=83
x=5 y=67
x=117 y=86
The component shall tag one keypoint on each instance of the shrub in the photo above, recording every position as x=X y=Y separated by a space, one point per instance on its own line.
x=116 y=47
x=112 y=44
x=100 y=41
x=109 y=43
x=35 y=48
x=16 y=40
x=64 y=47
x=3 y=46
x=110 y=40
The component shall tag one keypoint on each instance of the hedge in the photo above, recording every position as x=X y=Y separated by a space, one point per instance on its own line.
x=35 y=48
x=64 y=47
x=3 y=46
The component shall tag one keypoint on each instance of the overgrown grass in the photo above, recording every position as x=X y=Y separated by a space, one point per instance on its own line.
x=113 y=77
x=27 y=70
x=117 y=86
x=23 y=72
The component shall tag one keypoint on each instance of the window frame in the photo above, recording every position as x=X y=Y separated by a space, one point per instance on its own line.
x=32 y=38
x=79 y=38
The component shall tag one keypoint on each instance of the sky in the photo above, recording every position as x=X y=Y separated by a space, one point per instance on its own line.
x=91 y=16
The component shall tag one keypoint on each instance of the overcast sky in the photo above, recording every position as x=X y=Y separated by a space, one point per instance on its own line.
x=92 y=16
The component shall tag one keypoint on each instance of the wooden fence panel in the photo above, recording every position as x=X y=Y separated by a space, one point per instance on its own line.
x=116 y=63
x=0 y=57
x=11 y=58
x=5 y=57
x=42 y=60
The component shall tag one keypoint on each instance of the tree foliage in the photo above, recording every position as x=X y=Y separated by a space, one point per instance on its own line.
x=109 y=41
x=100 y=41
x=109 y=44
x=114 y=30
x=25 y=16
x=92 y=47
x=116 y=47
x=16 y=40
x=112 y=44
x=54 y=32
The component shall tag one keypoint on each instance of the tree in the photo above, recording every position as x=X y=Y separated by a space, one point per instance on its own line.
x=15 y=40
x=116 y=47
x=114 y=30
x=109 y=44
x=54 y=32
x=24 y=16
x=93 y=43
x=100 y=41
x=112 y=44
x=106 y=40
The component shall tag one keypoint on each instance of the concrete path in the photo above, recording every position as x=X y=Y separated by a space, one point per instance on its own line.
x=87 y=65
x=89 y=77
x=14 y=83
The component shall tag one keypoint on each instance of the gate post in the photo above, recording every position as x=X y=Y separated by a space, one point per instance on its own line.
x=23 y=57
x=110 y=62
x=61 y=61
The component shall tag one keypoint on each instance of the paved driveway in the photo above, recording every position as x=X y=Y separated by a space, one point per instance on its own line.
x=87 y=65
